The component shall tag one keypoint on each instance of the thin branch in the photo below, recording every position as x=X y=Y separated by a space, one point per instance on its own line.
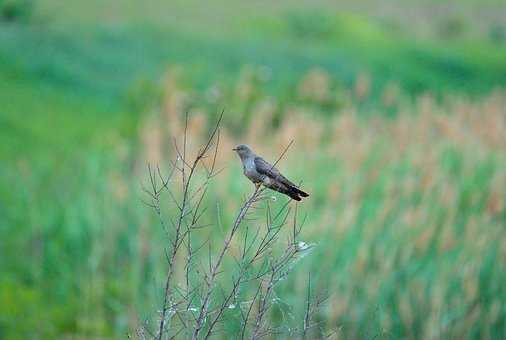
x=214 y=269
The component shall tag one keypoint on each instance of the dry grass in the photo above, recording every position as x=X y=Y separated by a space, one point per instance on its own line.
x=408 y=212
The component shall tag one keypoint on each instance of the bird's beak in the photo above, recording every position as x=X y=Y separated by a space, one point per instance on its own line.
x=234 y=149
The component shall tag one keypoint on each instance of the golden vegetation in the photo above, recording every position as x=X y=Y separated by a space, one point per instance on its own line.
x=409 y=212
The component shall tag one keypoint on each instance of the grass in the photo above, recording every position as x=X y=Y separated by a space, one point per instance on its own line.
x=92 y=74
x=407 y=208
x=407 y=221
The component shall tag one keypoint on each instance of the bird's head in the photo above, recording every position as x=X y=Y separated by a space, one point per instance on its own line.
x=242 y=150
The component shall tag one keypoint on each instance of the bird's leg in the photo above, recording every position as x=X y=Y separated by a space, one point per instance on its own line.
x=258 y=185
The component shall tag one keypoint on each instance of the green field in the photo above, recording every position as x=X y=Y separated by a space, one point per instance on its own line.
x=397 y=110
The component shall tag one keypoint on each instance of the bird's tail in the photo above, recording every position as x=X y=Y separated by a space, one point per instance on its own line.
x=293 y=195
x=287 y=190
x=298 y=191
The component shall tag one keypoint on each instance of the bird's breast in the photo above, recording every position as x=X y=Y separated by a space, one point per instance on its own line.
x=266 y=181
x=251 y=173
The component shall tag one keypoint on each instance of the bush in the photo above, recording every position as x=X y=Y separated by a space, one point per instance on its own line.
x=16 y=10
x=497 y=33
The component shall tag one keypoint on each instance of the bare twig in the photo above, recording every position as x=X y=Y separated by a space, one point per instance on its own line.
x=197 y=307
x=214 y=268
x=186 y=180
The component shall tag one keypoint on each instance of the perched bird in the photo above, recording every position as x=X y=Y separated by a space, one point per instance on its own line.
x=260 y=172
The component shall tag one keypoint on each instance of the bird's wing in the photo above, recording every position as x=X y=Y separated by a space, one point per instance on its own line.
x=264 y=168
x=279 y=182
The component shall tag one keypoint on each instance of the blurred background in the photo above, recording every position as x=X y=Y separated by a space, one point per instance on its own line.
x=398 y=109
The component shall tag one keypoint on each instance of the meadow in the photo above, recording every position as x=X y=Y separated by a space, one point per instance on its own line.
x=399 y=131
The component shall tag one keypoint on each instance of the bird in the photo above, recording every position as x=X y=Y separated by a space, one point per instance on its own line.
x=259 y=171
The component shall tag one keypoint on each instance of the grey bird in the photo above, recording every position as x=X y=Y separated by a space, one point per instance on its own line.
x=261 y=172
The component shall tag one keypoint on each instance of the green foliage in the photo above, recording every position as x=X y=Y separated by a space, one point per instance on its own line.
x=81 y=255
x=497 y=33
x=16 y=10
